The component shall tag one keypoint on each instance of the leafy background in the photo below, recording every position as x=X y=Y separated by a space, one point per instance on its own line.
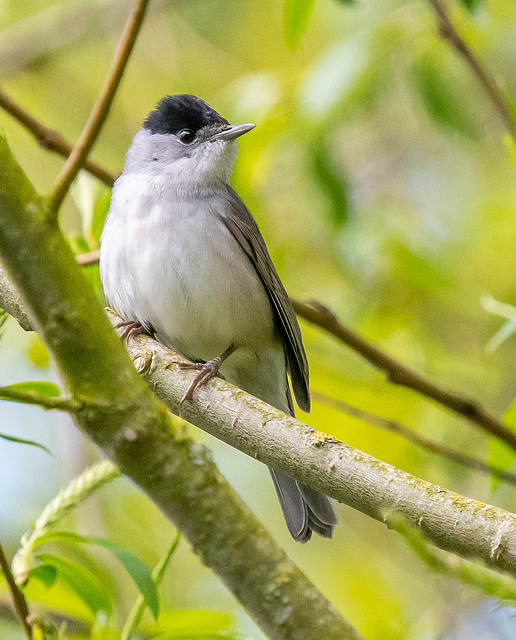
x=384 y=186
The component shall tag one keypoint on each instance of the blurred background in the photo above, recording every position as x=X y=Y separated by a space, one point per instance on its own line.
x=385 y=186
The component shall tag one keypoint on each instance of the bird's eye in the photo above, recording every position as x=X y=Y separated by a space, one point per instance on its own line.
x=186 y=136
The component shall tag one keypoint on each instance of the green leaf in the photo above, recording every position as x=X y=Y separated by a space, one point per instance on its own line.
x=3 y=319
x=81 y=581
x=47 y=573
x=100 y=212
x=471 y=5
x=296 y=16
x=502 y=456
x=47 y=389
x=138 y=570
x=331 y=181
x=439 y=99
x=189 y=624
x=32 y=443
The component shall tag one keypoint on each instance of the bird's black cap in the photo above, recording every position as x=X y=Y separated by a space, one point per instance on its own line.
x=175 y=113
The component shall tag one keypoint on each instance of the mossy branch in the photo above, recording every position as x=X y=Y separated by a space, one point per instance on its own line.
x=133 y=428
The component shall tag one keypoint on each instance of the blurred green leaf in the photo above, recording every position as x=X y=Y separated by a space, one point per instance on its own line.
x=100 y=211
x=138 y=570
x=92 y=200
x=101 y=629
x=189 y=623
x=419 y=271
x=500 y=456
x=296 y=17
x=32 y=443
x=46 y=573
x=38 y=388
x=331 y=181
x=37 y=352
x=81 y=581
x=471 y=5
x=3 y=319
x=440 y=99
x=333 y=76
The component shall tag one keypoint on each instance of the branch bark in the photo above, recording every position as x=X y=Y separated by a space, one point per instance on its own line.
x=124 y=418
x=452 y=522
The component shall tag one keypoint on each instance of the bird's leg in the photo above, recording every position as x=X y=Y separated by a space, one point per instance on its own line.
x=129 y=328
x=207 y=371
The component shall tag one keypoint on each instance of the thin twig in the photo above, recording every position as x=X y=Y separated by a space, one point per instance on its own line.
x=100 y=110
x=45 y=402
x=399 y=374
x=416 y=438
x=449 y=33
x=50 y=139
x=20 y=604
x=85 y=259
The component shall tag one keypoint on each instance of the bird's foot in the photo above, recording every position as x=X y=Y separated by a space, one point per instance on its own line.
x=129 y=328
x=207 y=371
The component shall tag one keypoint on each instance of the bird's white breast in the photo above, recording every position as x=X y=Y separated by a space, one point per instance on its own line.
x=171 y=263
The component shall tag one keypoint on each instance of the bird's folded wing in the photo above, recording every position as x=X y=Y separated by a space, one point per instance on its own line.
x=243 y=227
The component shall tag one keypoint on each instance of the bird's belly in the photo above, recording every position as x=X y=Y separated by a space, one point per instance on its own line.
x=187 y=277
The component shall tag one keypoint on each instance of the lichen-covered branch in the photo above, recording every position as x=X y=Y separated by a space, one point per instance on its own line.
x=121 y=414
x=451 y=521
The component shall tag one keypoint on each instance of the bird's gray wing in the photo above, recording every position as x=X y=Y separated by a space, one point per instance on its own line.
x=243 y=227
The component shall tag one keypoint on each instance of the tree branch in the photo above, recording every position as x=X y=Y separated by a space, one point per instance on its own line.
x=451 y=521
x=448 y=32
x=124 y=418
x=20 y=604
x=399 y=374
x=179 y=475
x=100 y=110
x=50 y=139
x=416 y=438
x=45 y=402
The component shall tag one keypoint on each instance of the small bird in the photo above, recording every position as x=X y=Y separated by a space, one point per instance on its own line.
x=183 y=259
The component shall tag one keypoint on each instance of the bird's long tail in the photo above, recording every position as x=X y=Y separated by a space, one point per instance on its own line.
x=305 y=509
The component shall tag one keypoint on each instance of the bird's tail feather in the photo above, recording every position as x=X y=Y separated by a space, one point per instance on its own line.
x=304 y=508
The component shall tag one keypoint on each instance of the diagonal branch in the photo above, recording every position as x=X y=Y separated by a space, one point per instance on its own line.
x=125 y=419
x=397 y=373
x=50 y=139
x=100 y=110
x=179 y=476
x=448 y=32
x=20 y=604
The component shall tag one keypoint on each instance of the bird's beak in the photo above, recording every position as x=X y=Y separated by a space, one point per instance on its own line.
x=233 y=131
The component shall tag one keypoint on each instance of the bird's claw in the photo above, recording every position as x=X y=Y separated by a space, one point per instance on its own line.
x=207 y=371
x=128 y=329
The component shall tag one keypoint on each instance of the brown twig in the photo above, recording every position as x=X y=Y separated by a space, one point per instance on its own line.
x=20 y=604
x=100 y=110
x=397 y=373
x=448 y=32
x=416 y=438
x=50 y=139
